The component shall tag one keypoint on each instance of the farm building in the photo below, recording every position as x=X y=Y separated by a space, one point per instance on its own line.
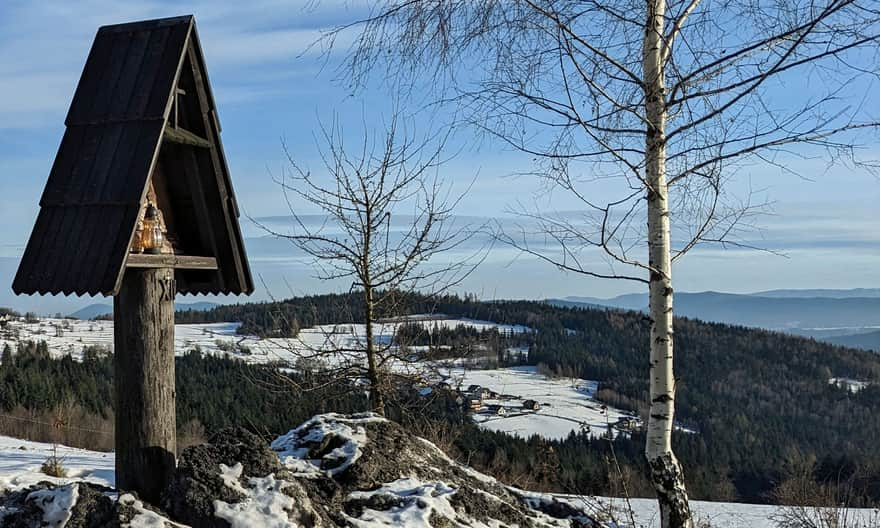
x=531 y=405
x=497 y=410
x=627 y=423
x=479 y=392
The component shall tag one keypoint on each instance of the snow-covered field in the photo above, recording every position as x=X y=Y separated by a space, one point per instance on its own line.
x=68 y=336
x=719 y=514
x=566 y=405
x=20 y=462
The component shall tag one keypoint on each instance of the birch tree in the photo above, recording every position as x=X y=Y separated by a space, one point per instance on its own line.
x=664 y=100
x=383 y=212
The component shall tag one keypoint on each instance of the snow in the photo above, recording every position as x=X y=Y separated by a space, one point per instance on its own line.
x=20 y=468
x=294 y=446
x=143 y=517
x=264 y=504
x=222 y=339
x=231 y=476
x=715 y=514
x=566 y=404
x=56 y=504
x=417 y=502
x=20 y=462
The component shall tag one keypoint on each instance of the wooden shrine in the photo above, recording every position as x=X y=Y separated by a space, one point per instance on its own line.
x=139 y=206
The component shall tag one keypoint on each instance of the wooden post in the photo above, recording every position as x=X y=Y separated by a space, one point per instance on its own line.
x=146 y=439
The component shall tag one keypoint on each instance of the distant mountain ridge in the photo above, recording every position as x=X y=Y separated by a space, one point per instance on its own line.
x=838 y=316
x=96 y=310
x=866 y=341
x=819 y=293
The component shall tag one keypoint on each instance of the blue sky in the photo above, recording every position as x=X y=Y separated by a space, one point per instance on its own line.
x=270 y=86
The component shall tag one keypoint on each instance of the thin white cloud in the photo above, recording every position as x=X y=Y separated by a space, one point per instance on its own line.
x=43 y=46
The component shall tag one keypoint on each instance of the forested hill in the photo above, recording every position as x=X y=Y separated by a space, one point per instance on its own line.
x=755 y=397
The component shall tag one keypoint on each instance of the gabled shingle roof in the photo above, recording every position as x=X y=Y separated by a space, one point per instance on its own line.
x=90 y=205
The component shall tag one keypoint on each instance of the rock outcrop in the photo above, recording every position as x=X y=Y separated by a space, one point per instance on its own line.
x=77 y=505
x=334 y=470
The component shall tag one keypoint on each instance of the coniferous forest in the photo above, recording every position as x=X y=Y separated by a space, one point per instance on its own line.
x=757 y=402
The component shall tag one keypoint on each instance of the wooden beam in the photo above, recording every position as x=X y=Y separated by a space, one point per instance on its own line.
x=143 y=362
x=185 y=137
x=141 y=260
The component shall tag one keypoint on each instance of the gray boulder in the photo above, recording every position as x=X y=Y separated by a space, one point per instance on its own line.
x=222 y=480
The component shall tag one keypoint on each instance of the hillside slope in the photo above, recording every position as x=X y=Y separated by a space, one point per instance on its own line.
x=753 y=396
x=751 y=399
x=865 y=341
x=98 y=310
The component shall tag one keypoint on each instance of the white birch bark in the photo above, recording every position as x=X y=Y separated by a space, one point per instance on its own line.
x=666 y=473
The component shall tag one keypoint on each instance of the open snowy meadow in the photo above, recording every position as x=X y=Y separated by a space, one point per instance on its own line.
x=566 y=405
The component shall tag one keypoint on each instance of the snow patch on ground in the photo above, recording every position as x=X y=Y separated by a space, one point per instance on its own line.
x=231 y=476
x=265 y=503
x=20 y=462
x=295 y=447
x=56 y=504
x=417 y=502
x=645 y=512
x=144 y=518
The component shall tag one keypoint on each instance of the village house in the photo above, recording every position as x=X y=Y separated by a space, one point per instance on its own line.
x=628 y=423
x=479 y=392
x=847 y=384
x=531 y=405
x=497 y=410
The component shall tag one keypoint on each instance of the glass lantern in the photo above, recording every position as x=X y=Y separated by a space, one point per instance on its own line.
x=152 y=239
